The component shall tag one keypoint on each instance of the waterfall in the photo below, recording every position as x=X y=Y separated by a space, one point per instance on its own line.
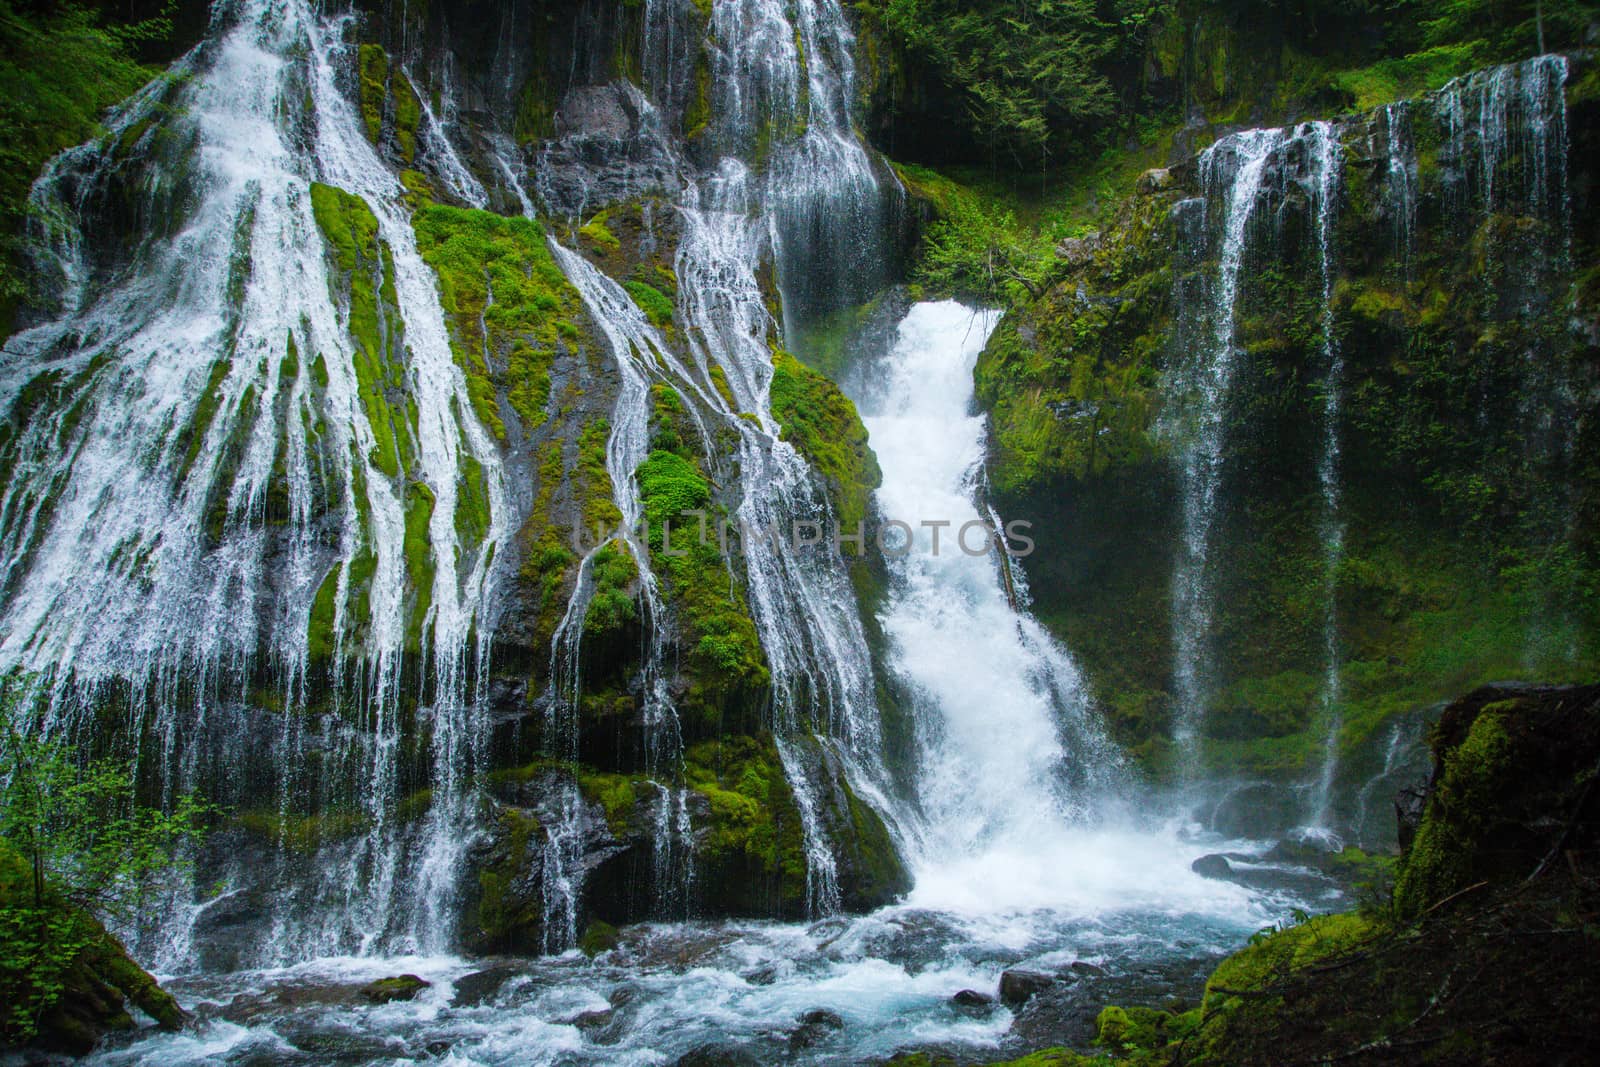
x=1231 y=171
x=1400 y=181
x=1012 y=757
x=1324 y=165
x=277 y=511
x=1506 y=146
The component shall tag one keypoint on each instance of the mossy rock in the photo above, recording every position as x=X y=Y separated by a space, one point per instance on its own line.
x=65 y=981
x=598 y=937
x=1507 y=758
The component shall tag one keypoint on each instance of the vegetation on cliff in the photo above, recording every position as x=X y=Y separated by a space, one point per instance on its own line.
x=62 y=66
x=76 y=847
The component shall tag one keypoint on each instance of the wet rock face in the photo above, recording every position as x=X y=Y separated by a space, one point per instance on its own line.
x=609 y=147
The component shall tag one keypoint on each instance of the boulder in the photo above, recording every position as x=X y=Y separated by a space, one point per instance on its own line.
x=480 y=987
x=815 y=1026
x=1018 y=986
x=971 y=998
x=389 y=990
x=717 y=1056
x=1212 y=866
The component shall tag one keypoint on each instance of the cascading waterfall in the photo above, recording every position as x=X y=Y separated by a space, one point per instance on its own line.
x=188 y=572
x=640 y=352
x=1324 y=164
x=1400 y=181
x=1505 y=131
x=1231 y=171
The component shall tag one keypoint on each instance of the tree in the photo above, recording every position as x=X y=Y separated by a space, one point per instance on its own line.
x=76 y=847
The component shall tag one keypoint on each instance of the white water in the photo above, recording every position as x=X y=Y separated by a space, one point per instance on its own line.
x=1020 y=794
x=1231 y=173
x=1010 y=868
x=122 y=581
x=1325 y=162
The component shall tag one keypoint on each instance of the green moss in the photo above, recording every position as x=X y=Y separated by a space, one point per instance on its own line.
x=472 y=502
x=752 y=846
x=363 y=280
x=504 y=916
x=613 y=792
x=388 y=101
x=598 y=937
x=302 y=833
x=598 y=234
x=823 y=426
x=193 y=437
x=1140 y=1029
x=407 y=115
x=508 y=306
x=547 y=559
x=655 y=304
x=723 y=649
x=1442 y=854
x=420 y=565
x=697 y=113
x=372 y=88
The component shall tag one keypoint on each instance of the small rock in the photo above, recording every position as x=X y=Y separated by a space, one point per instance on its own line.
x=1212 y=866
x=815 y=1026
x=1017 y=986
x=717 y=1056
x=593 y=1020
x=1081 y=969
x=1079 y=251
x=1155 y=180
x=971 y=998
x=400 y=987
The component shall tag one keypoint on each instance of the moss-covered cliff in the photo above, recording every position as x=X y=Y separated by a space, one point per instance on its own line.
x=1464 y=327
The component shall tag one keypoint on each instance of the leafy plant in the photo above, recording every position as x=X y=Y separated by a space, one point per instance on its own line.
x=80 y=829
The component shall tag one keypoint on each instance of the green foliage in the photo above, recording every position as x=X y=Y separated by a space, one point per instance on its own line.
x=75 y=843
x=612 y=604
x=980 y=252
x=1028 y=70
x=508 y=306
x=81 y=830
x=60 y=68
x=822 y=424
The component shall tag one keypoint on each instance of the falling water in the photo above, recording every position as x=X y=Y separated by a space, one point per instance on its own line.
x=1400 y=181
x=1010 y=747
x=1231 y=172
x=238 y=374
x=1324 y=161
